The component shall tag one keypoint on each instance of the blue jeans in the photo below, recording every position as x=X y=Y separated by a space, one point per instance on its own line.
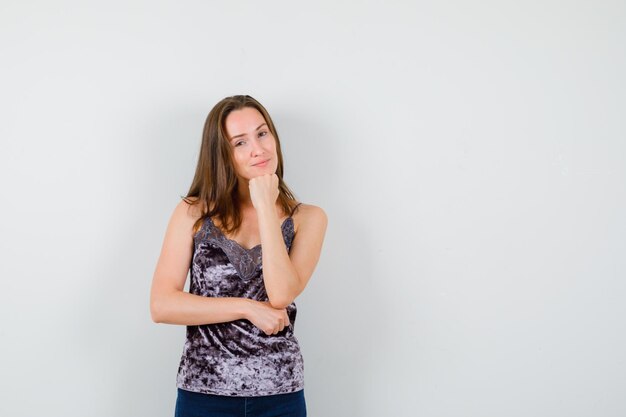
x=195 y=404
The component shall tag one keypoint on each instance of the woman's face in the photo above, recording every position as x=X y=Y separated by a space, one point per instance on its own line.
x=252 y=143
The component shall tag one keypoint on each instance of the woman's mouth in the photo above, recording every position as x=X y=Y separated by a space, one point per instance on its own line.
x=261 y=164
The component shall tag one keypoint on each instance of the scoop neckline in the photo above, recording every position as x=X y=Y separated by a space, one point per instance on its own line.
x=282 y=225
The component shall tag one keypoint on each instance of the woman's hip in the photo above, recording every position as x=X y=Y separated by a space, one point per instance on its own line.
x=195 y=404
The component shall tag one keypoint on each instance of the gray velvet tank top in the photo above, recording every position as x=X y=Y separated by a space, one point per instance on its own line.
x=236 y=358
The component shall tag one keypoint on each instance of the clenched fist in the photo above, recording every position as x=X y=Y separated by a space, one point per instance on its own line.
x=264 y=190
x=267 y=318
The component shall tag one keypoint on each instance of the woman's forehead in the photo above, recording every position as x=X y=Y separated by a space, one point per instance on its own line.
x=243 y=121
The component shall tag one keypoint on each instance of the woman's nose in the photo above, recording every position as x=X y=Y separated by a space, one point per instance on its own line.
x=256 y=147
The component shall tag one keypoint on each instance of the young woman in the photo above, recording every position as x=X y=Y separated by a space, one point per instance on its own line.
x=251 y=249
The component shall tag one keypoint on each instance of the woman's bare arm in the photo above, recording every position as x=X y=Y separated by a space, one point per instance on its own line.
x=286 y=274
x=169 y=303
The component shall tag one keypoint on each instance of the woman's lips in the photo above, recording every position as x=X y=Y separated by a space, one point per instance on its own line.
x=261 y=164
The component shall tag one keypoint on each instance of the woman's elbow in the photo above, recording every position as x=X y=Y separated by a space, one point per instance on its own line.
x=280 y=302
x=156 y=311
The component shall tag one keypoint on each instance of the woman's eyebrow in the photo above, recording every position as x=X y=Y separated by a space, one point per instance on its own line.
x=243 y=134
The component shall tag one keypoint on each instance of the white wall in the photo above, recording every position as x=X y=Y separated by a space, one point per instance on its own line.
x=470 y=157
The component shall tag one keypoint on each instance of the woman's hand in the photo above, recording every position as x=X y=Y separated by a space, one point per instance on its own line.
x=267 y=318
x=264 y=191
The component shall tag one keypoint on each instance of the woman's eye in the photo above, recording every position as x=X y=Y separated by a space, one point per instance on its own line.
x=263 y=133
x=239 y=143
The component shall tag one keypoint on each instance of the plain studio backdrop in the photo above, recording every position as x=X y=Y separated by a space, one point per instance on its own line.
x=470 y=157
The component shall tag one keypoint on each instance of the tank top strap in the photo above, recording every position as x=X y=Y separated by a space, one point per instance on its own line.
x=294 y=209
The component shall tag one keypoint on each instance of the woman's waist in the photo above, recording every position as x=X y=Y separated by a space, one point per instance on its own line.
x=239 y=337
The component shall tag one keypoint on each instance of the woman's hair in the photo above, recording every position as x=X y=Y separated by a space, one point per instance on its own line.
x=215 y=181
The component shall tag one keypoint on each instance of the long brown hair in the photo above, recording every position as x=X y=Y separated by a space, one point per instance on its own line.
x=215 y=181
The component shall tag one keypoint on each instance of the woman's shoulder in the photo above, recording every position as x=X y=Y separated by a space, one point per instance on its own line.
x=309 y=209
x=192 y=207
x=187 y=213
x=309 y=214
